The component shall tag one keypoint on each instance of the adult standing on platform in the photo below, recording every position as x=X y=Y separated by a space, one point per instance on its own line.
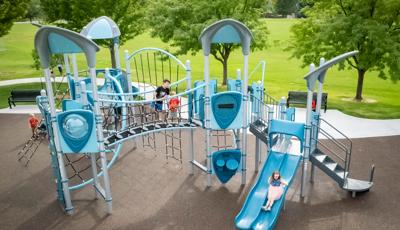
x=162 y=93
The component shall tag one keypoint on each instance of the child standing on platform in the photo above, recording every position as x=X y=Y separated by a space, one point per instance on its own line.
x=173 y=105
x=33 y=123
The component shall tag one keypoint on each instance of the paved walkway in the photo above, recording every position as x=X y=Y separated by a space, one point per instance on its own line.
x=353 y=127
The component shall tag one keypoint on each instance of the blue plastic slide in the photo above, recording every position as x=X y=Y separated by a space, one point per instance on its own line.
x=252 y=216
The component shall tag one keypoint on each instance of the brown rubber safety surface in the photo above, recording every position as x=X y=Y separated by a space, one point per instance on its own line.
x=150 y=192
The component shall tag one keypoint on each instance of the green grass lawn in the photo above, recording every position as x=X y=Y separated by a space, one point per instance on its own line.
x=282 y=73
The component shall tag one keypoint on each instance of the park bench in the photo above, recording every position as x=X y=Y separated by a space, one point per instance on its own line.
x=300 y=98
x=23 y=95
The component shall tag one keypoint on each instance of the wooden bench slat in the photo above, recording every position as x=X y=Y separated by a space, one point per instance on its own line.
x=24 y=95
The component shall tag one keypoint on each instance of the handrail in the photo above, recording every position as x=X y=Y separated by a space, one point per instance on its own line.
x=346 y=148
x=153 y=100
x=327 y=148
x=138 y=93
x=321 y=119
x=262 y=64
x=330 y=137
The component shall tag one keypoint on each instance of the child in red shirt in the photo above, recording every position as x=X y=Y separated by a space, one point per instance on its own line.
x=314 y=105
x=33 y=123
x=173 y=105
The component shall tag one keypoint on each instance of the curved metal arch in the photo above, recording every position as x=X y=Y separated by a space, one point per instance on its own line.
x=319 y=73
x=159 y=50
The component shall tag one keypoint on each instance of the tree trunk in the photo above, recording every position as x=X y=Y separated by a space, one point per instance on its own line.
x=225 y=72
x=360 y=84
x=112 y=52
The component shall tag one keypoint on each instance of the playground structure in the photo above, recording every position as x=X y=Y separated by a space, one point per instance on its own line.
x=97 y=120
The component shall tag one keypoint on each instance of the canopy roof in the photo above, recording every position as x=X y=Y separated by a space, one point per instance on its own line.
x=54 y=40
x=101 y=28
x=226 y=31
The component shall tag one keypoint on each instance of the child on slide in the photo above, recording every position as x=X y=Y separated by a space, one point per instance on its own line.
x=275 y=189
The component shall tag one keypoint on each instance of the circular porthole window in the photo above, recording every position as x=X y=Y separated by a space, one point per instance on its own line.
x=75 y=126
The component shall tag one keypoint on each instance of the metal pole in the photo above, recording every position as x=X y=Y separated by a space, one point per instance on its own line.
x=64 y=178
x=67 y=67
x=76 y=79
x=282 y=108
x=128 y=71
x=244 y=127
x=84 y=94
x=116 y=53
x=238 y=74
x=257 y=157
x=100 y=139
x=94 y=173
x=207 y=111
x=307 y=138
x=320 y=89
x=318 y=112
x=190 y=113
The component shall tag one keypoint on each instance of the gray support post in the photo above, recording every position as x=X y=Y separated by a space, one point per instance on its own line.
x=282 y=108
x=207 y=111
x=191 y=137
x=318 y=112
x=94 y=173
x=245 y=119
x=320 y=90
x=76 y=79
x=238 y=77
x=237 y=137
x=84 y=94
x=270 y=117
x=64 y=178
x=128 y=71
x=67 y=67
x=100 y=139
x=307 y=146
x=116 y=54
x=257 y=156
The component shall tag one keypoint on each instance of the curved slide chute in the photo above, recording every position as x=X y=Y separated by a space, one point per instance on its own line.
x=252 y=216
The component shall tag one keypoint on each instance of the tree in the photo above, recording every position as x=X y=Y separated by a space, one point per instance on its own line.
x=10 y=10
x=75 y=14
x=33 y=10
x=180 y=22
x=333 y=27
x=285 y=7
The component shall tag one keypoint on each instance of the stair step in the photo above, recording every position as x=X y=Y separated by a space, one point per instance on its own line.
x=320 y=157
x=331 y=166
x=341 y=173
x=132 y=131
x=259 y=123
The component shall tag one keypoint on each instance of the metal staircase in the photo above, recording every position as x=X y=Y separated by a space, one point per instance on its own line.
x=260 y=129
x=333 y=156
